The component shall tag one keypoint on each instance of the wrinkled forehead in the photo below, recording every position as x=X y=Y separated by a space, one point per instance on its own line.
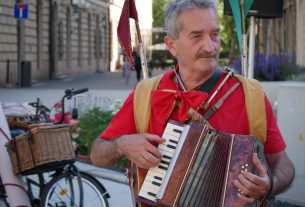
x=205 y=16
x=196 y=11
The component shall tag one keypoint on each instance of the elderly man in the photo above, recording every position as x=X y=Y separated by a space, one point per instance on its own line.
x=193 y=37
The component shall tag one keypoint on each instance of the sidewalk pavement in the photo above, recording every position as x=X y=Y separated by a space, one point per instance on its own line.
x=102 y=172
x=105 y=84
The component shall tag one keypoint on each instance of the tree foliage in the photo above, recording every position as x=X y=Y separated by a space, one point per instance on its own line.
x=158 y=12
x=228 y=34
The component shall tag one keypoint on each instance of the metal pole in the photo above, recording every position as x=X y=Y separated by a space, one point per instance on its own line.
x=244 y=40
x=142 y=53
x=251 y=47
x=19 y=40
x=244 y=56
x=7 y=71
x=20 y=48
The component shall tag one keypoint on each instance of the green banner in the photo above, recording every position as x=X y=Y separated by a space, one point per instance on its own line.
x=235 y=5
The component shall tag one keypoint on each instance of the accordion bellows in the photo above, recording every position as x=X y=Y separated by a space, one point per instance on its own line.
x=204 y=169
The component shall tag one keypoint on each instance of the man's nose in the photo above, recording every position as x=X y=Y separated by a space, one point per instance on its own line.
x=208 y=44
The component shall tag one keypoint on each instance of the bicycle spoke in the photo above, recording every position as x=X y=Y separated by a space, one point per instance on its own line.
x=67 y=191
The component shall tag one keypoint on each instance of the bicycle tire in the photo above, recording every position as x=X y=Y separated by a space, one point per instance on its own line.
x=4 y=200
x=58 y=192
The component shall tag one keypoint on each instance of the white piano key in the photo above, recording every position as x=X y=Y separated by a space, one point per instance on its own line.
x=170 y=136
x=165 y=162
x=170 y=142
x=174 y=126
x=162 y=166
x=174 y=131
x=173 y=135
x=166 y=155
x=150 y=186
x=167 y=149
x=155 y=173
x=151 y=178
x=144 y=194
x=157 y=169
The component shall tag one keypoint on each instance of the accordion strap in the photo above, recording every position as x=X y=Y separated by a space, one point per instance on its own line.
x=255 y=105
x=219 y=103
x=142 y=106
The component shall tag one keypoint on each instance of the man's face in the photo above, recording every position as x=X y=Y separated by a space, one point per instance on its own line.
x=198 y=45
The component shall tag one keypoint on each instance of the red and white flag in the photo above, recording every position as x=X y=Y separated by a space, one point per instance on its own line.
x=129 y=11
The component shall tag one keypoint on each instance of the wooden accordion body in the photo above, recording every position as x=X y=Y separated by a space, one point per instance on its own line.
x=202 y=169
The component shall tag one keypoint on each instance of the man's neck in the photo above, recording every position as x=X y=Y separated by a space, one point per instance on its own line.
x=192 y=80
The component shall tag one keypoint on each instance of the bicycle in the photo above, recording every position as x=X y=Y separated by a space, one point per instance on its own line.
x=61 y=185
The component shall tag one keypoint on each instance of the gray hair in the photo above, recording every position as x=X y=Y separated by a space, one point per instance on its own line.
x=174 y=9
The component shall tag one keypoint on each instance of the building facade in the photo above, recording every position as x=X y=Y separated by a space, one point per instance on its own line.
x=285 y=35
x=59 y=38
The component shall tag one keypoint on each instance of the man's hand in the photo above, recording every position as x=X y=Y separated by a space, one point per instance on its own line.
x=139 y=149
x=253 y=187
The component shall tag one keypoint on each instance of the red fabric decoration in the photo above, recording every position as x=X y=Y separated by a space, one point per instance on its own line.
x=164 y=102
x=129 y=11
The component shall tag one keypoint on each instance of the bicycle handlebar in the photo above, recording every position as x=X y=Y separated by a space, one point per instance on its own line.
x=69 y=93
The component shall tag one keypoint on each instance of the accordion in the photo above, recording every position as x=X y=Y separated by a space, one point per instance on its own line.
x=198 y=167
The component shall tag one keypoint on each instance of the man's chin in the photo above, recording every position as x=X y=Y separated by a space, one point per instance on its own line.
x=208 y=64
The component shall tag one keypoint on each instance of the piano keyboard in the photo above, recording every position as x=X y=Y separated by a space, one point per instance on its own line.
x=157 y=177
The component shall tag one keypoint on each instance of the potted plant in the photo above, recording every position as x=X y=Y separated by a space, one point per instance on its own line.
x=90 y=125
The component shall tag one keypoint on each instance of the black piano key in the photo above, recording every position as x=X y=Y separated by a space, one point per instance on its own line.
x=164 y=162
x=178 y=131
x=167 y=157
x=156 y=183
x=158 y=178
x=163 y=168
x=173 y=141
x=171 y=146
x=151 y=194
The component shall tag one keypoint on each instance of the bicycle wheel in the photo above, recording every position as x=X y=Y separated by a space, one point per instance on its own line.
x=64 y=191
x=3 y=197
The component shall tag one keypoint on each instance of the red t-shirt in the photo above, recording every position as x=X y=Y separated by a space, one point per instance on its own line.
x=231 y=117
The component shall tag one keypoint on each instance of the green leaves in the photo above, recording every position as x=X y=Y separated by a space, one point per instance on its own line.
x=158 y=12
x=90 y=125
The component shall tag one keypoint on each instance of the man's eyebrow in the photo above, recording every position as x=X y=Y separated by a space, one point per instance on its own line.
x=196 y=32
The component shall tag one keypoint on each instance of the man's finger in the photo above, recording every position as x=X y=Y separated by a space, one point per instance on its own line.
x=142 y=163
x=257 y=163
x=245 y=200
x=151 y=159
x=249 y=188
x=154 y=138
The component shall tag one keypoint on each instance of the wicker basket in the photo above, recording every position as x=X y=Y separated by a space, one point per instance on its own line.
x=43 y=147
x=18 y=122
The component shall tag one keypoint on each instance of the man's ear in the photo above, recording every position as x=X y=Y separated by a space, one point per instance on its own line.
x=170 y=45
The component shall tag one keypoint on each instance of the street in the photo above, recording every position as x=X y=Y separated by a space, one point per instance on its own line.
x=120 y=193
